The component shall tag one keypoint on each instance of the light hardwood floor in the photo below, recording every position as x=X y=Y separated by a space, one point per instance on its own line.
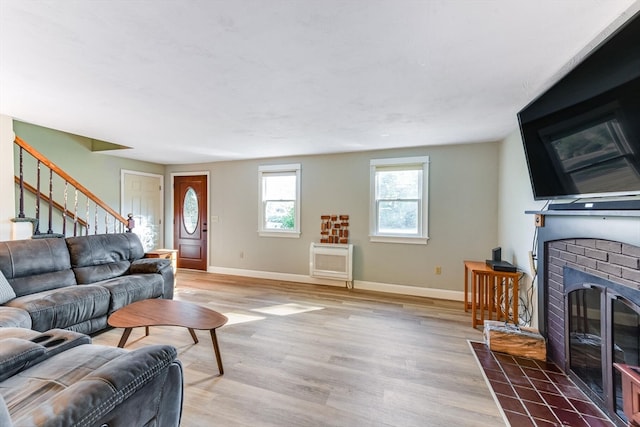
x=305 y=355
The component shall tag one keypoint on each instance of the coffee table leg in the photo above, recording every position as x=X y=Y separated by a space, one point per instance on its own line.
x=125 y=337
x=216 y=350
x=193 y=335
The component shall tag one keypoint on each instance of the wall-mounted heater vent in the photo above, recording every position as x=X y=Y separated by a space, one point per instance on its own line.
x=331 y=261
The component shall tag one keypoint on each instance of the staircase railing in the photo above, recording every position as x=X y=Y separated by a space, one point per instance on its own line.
x=78 y=211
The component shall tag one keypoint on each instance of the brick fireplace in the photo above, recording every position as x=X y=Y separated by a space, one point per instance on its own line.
x=587 y=262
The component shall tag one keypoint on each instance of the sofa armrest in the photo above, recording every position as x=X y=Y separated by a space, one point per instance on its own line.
x=16 y=354
x=22 y=348
x=156 y=265
x=149 y=265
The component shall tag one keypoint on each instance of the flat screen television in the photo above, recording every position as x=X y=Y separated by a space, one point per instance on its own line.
x=582 y=136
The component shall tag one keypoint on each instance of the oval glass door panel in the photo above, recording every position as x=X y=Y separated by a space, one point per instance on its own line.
x=190 y=212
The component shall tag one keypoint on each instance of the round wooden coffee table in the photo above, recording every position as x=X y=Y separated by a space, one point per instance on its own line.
x=167 y=312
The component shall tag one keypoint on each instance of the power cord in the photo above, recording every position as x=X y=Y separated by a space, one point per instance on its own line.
x=526 y=312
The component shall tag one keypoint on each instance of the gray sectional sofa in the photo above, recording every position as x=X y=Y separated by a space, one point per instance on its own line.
x=75 y=283
x=53 y=292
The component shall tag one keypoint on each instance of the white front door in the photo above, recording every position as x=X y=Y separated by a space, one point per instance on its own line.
x=143 y=197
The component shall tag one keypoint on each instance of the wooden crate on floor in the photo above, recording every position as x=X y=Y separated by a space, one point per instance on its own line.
x=507 y=338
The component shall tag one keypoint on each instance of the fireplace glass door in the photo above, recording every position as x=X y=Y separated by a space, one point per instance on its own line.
x=603 y=329
x=585 y=338
x=626 y=343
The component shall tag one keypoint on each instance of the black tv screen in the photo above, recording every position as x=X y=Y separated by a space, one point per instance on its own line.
x=582 y=136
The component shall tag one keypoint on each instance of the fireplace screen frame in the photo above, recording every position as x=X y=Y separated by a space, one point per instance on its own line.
x=610 y=293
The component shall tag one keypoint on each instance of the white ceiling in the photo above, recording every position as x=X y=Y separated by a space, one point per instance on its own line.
x=209 y=80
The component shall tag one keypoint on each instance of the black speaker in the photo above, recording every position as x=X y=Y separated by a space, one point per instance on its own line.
x=496 y=254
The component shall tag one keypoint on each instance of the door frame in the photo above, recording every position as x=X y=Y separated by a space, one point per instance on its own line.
x=162 y=207
x=207 y=207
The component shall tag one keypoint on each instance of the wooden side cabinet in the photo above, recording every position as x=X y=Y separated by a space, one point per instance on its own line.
x=171 y=254
x=630 y=392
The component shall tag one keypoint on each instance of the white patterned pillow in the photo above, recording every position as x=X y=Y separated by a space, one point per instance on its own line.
x=6 y=291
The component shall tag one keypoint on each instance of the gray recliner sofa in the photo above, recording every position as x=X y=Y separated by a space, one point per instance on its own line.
x=75 y=283
x=58 y=379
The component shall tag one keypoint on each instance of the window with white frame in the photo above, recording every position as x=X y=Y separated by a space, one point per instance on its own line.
x=399 y=203
x=279 y=197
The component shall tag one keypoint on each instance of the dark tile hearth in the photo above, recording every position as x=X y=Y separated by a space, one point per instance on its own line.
x=534 y=393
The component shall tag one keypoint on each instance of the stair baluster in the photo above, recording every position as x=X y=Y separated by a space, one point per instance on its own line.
x=21 y=213
x=75 y=214
x=64 y=211
x=37 y=230
x=50 y=229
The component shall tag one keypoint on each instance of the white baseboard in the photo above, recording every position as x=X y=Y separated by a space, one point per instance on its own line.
x=415 y=291
x=358 y=284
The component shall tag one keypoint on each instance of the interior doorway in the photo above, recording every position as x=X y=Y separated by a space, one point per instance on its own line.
x=142 y=195
x=190 y=212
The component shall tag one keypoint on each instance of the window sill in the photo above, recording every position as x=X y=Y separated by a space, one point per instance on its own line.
x=286 y=234
x=399 y=239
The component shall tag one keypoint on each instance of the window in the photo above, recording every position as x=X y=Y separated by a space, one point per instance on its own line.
x=279 y=196
x=398 y=211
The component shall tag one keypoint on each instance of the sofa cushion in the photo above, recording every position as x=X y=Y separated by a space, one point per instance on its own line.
x=43 y=282
x=36 y=265
x=90 y=326
x=103 y=256
x=11 y=317
x=6 y=291
x=96 y=273
x=61 y=308
x=131 y=288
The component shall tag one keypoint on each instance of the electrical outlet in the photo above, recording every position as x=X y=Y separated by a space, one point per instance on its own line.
x=539 y=220
x=438 y=270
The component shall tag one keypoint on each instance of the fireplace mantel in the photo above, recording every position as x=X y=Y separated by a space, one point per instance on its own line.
x=581 y=212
